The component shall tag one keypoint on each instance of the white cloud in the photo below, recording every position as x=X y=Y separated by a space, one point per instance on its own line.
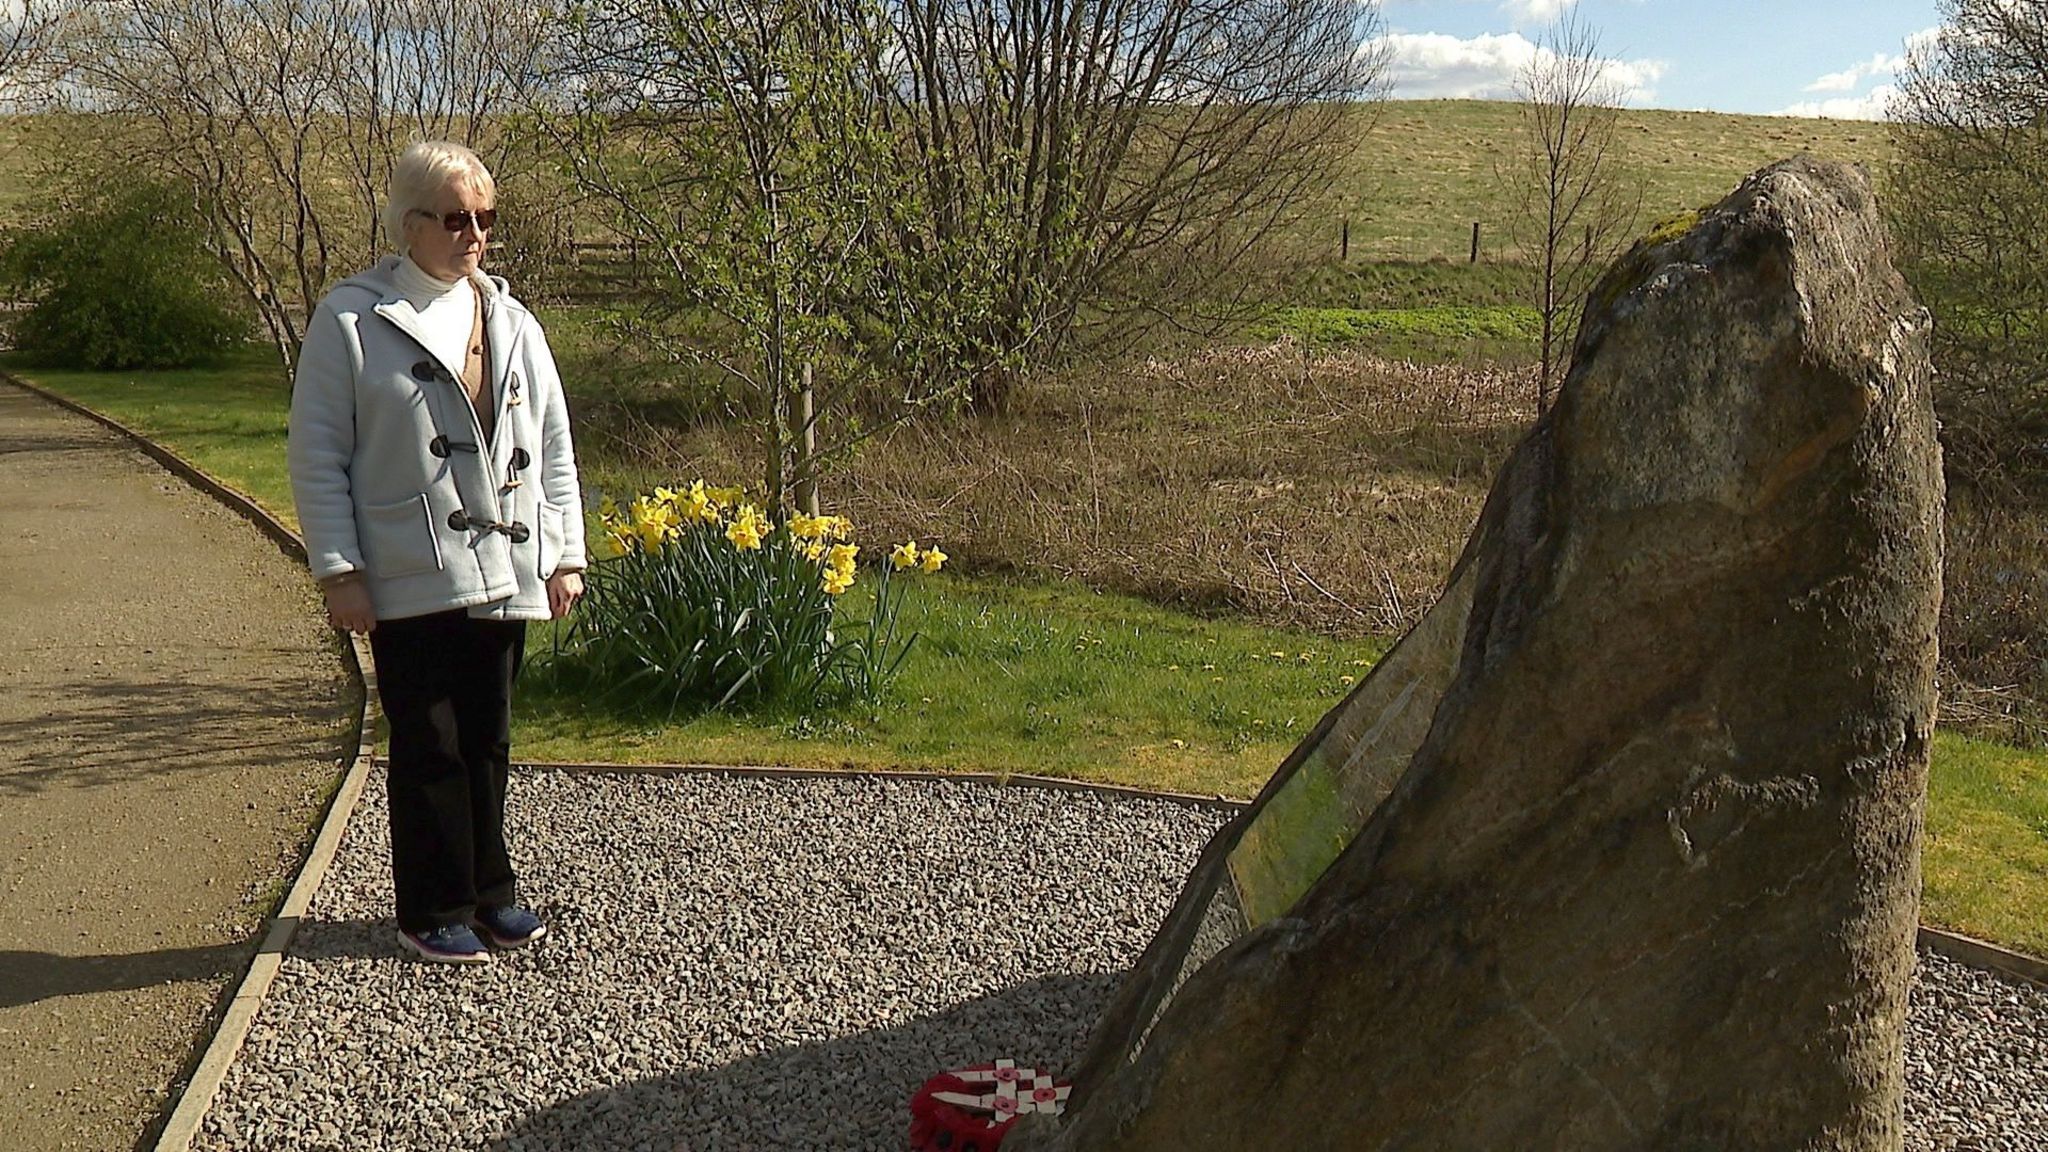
x=1883 y=68
x=1848 y=78
x=1526 y=12
x=1872 y=105
x=1433 y=66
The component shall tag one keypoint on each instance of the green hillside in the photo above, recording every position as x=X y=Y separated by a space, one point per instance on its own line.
x=1426 y=170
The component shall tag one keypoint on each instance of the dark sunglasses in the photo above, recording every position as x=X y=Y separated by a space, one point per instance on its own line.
x=485 y=218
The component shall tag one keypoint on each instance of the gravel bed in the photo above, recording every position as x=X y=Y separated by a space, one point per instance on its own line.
x=758 y=963
x=731 y=964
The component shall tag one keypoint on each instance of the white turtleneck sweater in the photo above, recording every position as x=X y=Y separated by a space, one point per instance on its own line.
x=447 y=309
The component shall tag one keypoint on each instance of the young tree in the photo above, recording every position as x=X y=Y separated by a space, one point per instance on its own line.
x=1572 y=204
x=733 y=141
x=281 y=117
x=28 y=30
x=1967 y=199
x=1102 y=162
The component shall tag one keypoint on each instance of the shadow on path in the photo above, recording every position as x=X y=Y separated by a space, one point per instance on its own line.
x=27 y=977
x=843 y=1095
x=123 y=727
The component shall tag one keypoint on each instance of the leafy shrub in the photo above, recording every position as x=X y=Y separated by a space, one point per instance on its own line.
x=119 y=282
x=697 y=598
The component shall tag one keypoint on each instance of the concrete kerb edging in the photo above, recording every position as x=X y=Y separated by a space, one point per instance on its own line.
x=1983 y=954
x=995 y=779
x=205 y=1076
x=212 y=1070
x=227 y=1041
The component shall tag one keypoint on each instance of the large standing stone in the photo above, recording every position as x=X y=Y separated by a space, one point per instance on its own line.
x=1647 y=876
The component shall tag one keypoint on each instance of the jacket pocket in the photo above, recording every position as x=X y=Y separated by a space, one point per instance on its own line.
x=551 y=516
x=398 y=539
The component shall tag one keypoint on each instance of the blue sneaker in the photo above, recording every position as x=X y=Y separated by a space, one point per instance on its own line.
x=510 y=926
x=448 y=944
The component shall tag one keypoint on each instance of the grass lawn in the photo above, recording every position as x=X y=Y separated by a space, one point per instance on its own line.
x=1426 y=170
x=1052 y=678
x=1985 y=868
x=1434 y=333
x=1016 y=677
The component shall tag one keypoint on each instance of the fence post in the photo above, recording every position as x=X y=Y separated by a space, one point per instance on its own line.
x=1475 y=243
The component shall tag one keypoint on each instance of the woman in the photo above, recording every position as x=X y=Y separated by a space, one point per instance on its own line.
x=436 y=488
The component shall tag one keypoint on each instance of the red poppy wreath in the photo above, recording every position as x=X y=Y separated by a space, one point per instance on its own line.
x=970 y=1110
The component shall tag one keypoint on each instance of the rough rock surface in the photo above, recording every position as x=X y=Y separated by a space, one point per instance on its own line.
x=1651 y=878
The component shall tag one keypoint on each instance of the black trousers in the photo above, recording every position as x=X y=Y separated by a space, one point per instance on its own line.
x=446 y=684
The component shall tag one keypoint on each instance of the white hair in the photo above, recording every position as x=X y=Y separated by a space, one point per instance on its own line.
x=422 y=171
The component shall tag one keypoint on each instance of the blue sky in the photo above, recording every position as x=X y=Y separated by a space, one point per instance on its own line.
x=1817 y=57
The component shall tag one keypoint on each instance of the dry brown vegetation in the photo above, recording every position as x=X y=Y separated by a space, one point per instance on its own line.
x=1325 y=491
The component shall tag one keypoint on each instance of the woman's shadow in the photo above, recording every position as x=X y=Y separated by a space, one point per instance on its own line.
x=27 y=977
x=850 y=1094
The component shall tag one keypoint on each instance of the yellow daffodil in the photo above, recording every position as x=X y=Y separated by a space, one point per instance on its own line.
x=696 y=504
x=933 y=559
x=904 y=555
x=837 y=527
x=610 y=545
x=841 y=555
x=607 y=508
x=837 y=580
x=813 y=549
x=803 y=527
x=652 y=521
x=747 y=529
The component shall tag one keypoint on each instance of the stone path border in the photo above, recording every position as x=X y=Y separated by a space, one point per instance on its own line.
x=234 y=1026
x=999 y=779
x=1984 y=954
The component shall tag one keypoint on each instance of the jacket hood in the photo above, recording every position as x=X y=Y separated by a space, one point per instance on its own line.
x=379 y=279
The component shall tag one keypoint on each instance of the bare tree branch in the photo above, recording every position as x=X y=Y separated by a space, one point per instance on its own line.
x=1572 y=206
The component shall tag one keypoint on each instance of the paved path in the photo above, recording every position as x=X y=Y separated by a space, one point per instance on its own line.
x=171 y=714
